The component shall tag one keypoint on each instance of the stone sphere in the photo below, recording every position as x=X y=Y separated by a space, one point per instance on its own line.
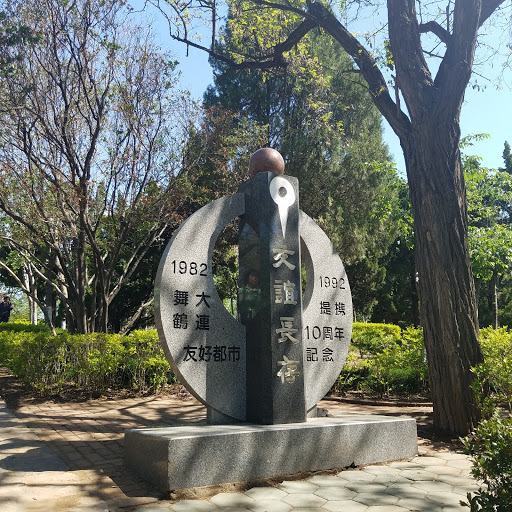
x=266 y=160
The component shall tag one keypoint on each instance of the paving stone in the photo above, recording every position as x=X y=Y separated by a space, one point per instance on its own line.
x=270 y=506
x=365 y=487
x=457 y=480
x=428 y=461
x=152 y=508
x=463 y=491
x=420 y=504
x=308 y=509
x=418 y=476
x=193 y=506
x=381 y=470
x=450 y=456
x=460 y=463
x=297 y=486
x=444 y=498
x=405 y=465
x=386 y=508
x=444 y=470
x=265 y=493
x=231 y=499
x=391 y=480
x=304 y=500
x=356 y=476
x=406 y=491
x=372 y=499
x=433 y=487
x=327 y=480
x=344 y=505
x=233 y=509
x=335 y=493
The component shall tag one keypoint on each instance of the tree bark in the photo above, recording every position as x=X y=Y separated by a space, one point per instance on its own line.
x=493 y=300
x=445 y=283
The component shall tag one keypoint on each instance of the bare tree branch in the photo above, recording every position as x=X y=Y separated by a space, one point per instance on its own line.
x=436 y=29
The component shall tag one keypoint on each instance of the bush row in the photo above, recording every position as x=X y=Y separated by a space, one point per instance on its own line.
x=384 y=359
x=96 y=361
x=490 y=445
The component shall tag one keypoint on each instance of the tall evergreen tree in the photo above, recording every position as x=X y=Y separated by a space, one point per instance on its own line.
x=507 y=158
x=330 y=136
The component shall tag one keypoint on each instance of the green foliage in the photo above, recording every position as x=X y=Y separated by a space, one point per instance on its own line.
x=374 y=338
x=490 y=447
x=397 y=297
x=390 y=360
x=94 y=361
x=490 y=250
x=489 y=195
x=13 y=34
x=493 y=377
x=507 y=158
x=23 y=326
x=400 y=367
x=37 y=358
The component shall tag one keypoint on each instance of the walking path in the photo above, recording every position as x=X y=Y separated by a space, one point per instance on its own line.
x=69 y=458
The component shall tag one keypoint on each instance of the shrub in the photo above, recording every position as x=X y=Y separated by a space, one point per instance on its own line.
x=374 y=338
x=146 y=365
x=400 y=367
x=391 y=360
x=37 y=358
x=493 y=377
x=23 y=326
x=96 y=361
x=490 y=447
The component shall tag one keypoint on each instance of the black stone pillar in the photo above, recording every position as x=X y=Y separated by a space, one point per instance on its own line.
x=270 y=299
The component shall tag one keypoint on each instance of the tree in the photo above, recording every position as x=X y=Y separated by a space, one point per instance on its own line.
x=330 y=135
x=12 y=34
x=397 y=297
x=424 y=112
x=489 y=194
x=89 y=151
x=507 y=158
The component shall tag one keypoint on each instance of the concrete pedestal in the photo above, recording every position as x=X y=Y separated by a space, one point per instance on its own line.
x=191 y=456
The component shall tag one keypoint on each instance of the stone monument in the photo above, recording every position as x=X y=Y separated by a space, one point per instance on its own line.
x=261 y=375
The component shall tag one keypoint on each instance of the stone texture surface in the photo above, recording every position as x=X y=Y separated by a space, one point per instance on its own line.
x=269 y=244
x=181 y=457
x=326 y=284
x=186 y=267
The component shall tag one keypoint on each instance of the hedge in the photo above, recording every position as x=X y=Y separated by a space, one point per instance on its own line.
x=96 y=361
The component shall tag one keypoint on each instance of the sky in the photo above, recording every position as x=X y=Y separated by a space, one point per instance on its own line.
x=486 y=111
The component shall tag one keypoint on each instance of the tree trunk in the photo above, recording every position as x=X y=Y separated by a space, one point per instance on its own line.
x=29 y=283
x=445 y=282
x=415 y=303
x=493 y=299
x=49 y=292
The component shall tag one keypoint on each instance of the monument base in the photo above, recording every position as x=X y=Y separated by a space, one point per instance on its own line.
x=191 y=456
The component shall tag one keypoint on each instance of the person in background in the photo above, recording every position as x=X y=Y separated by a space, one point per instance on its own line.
x=5 y=309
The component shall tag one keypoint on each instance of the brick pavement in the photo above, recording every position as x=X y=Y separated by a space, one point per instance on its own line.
x=88 y=438
x=89 y=435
